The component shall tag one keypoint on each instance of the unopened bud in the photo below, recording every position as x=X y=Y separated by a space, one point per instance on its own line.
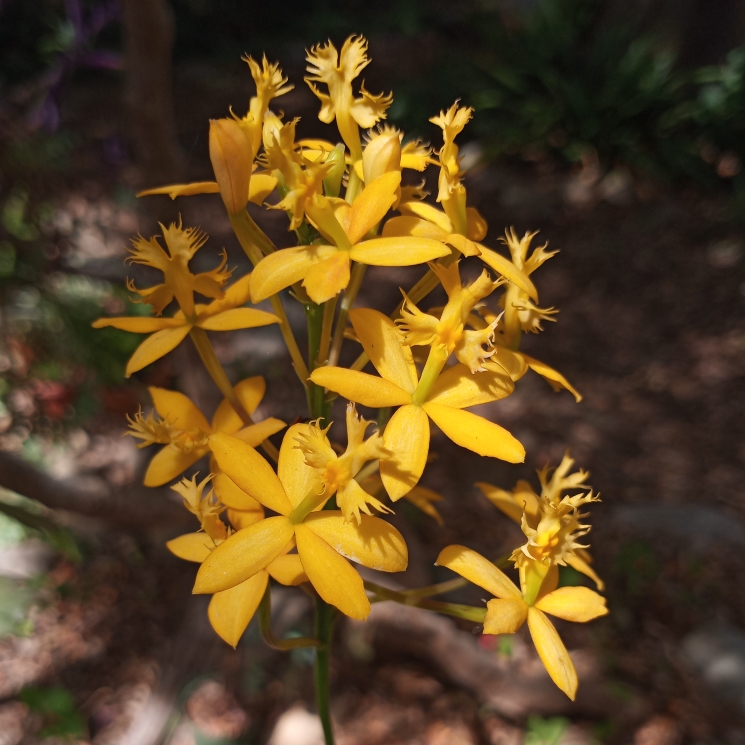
x=332 y=182
x=382 y=155
x=232 y=161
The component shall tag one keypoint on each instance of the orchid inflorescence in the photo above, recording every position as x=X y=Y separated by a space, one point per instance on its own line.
x=303 y=512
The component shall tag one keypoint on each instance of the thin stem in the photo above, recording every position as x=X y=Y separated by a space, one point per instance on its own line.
x=329 y=308
x=243 y=227
x=316 y=395
x=265 y=624
x=323 y=629
x=217 y=373
x=350 y=295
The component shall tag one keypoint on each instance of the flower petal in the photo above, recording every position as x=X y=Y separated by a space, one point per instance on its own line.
x=503 y=266
x=288 y=570
x=250 y=392
x=260 y=187
x=243 y=554
x=232 y=496
x=372 y=204
x=335 y=580
x=457 y=386
x=505 y=616
x=179 y=409
x=169 y=463
x=255 y=434
x=429 y=212
x=191 y=546
x=512 y=362
x=296 y=476
x=477 y=226
x=578 y=563
x=407 y=437
x=552 y=652
x=512 y=504
x=404 y=251
x=241 y=519
x=249 y=471
x=285 y=267
x=555 y=379
x=476 y=433
x=328 y=278
x=416 y=226
x=368 y=390
x=237 y=318
x=138 y=324
x=382 y=342
x=580 y=604
x=239 y=293
x=183 y=190
x=156 y=346
x=230 y=611
x=374 y=543
x=475 y=568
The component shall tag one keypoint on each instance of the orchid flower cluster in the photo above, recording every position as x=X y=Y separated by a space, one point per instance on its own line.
x=305 y=513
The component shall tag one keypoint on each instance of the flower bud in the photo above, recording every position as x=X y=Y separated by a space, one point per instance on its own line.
x=332 y=182
x=232 y=161
x=382 y=155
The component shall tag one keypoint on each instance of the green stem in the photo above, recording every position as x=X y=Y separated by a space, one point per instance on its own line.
x=246 y=231
x=323 y=630
x=215 y=369
x=350 y=295
x=329 y=308
x=265 y=624
x=316 y=394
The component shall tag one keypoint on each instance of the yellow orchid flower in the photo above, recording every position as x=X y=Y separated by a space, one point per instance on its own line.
x=452 y=123
x=185 y=431
x=442 y=398
x=448 y=331
x=338 y=471
x=325 y=269
x=512 y=607
x=337 y=71
x=230 y=611
x=223 y=314
x=323 y=538
x=384 y=152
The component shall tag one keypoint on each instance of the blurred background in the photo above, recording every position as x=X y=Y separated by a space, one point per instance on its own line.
x=618 y=130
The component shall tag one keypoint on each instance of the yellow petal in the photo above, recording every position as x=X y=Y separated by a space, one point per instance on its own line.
x=156 y=346
x=249 y=471
x=288 y=570
x=509 y=271
x=231 y=495
x=183 y=190
x=249 y=392
x=169 y=463
x=285 y=267
x=372 y=204
x=335 y=580
x=138 y=324
x=552 y=652
x=578 y=563
x=464 y=245
x=241 y=519
x=416 y=226
x=296 y=476
x=423 y=498
x=407 y=437
x=243 y=554
x=232 y=162
x=457 y=386
x=475 y=568
x=512 y=362
x=578 y=604
x=179 y=409
x=404 y=251
x=237 y=318
x=513 y=505
x=429 y=212
x=368 y=390
x=328 y=278
x=476 y=433
x=261 y=186
x=374 y=543
x=381 y=341
x=230 y=611
x=191 y=546
x=555 y=379
x=477 y=226
x=255 y=434
x=505 y=616
x=239 y=293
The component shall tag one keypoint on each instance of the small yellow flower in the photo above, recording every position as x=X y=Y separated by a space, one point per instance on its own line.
x=338 y=471
x=223 y=314
x=448 y=331
x=507 y=613
x=383 y=152
x=443 y=401
x=229 y=611
x=452 y=123
x=325 y=269
x=337 y=71
x=185 y=431
x=324 y=538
